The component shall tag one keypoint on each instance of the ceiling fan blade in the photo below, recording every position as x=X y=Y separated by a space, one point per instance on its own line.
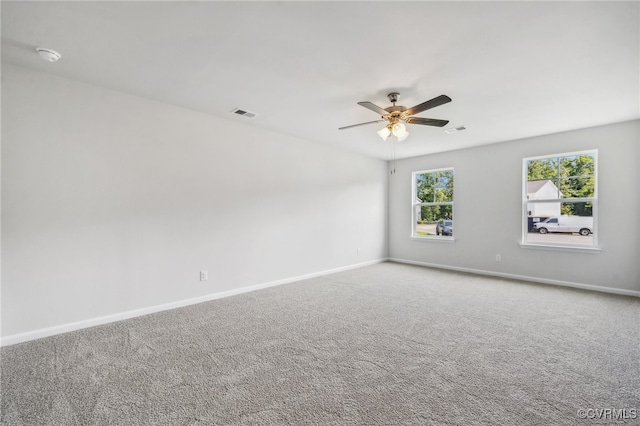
x=361 y=124
x=374 y=108
x=427 y=121
x=432 y=103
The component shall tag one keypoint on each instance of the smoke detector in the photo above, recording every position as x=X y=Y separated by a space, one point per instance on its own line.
x=48 y=54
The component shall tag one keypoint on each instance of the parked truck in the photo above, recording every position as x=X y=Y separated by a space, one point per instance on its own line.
x=583 y=225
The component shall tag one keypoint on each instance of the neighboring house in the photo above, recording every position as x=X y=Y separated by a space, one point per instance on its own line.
x=543 y=190
x=418 y=212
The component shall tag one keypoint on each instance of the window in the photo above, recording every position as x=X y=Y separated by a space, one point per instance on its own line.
x=432 y=204
x=560 y=200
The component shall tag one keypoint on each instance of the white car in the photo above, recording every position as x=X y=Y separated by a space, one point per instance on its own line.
x=583 y=225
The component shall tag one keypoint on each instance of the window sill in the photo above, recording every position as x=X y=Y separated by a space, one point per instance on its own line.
x=433 y=239
x=575 y=249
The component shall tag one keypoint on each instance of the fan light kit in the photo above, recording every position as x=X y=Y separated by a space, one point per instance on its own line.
x=396 y=116
x=398 y=130
x=48 y=54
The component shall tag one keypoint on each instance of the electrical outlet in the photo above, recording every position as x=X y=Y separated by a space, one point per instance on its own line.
x=358 y=250
x=204 y=275
x=498 y=258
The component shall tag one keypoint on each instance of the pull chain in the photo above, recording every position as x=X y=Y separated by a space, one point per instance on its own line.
x=393 y=158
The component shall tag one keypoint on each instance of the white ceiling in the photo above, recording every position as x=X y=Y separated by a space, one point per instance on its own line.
x=513 y=69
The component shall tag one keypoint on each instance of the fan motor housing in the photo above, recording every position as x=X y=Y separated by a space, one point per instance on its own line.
x=395 y=108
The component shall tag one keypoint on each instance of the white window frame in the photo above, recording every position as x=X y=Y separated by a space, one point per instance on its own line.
x=593 y=200
x=415 y=205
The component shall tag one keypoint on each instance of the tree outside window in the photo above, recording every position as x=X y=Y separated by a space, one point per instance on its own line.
x=433 y=203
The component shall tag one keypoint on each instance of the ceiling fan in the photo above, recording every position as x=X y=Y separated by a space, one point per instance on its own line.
x=396 y=115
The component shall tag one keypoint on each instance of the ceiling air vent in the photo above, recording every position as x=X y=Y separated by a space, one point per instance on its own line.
x=243 y=112
x=455 y=129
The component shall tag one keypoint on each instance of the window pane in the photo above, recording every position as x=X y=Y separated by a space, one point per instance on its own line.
x=434 y=213
x=577 y=209
x=573 y=226
x=434 y=187
x=444 y=182
x=544 y=189
x=578 y=187
x=577 y=166
x=443 y=195
x=424 y=188
x=543 y=169
x=434 y=220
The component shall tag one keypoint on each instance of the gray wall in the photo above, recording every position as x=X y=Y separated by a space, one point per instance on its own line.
x=113 y=203
x=488 y=211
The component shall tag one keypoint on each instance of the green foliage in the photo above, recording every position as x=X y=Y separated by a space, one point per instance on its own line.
x=435 y=187
x=435 y=213
x=574 y=175
x=542 y=169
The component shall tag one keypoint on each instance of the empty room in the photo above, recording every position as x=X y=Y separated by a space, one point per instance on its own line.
x=320 y=213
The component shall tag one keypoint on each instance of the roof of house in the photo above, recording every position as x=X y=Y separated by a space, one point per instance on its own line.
x=535 y=185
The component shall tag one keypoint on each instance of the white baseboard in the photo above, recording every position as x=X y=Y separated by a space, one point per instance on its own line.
x=91 y=322
x=522 y=278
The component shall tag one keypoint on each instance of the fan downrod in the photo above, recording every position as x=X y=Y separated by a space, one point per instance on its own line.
x=395 y=110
